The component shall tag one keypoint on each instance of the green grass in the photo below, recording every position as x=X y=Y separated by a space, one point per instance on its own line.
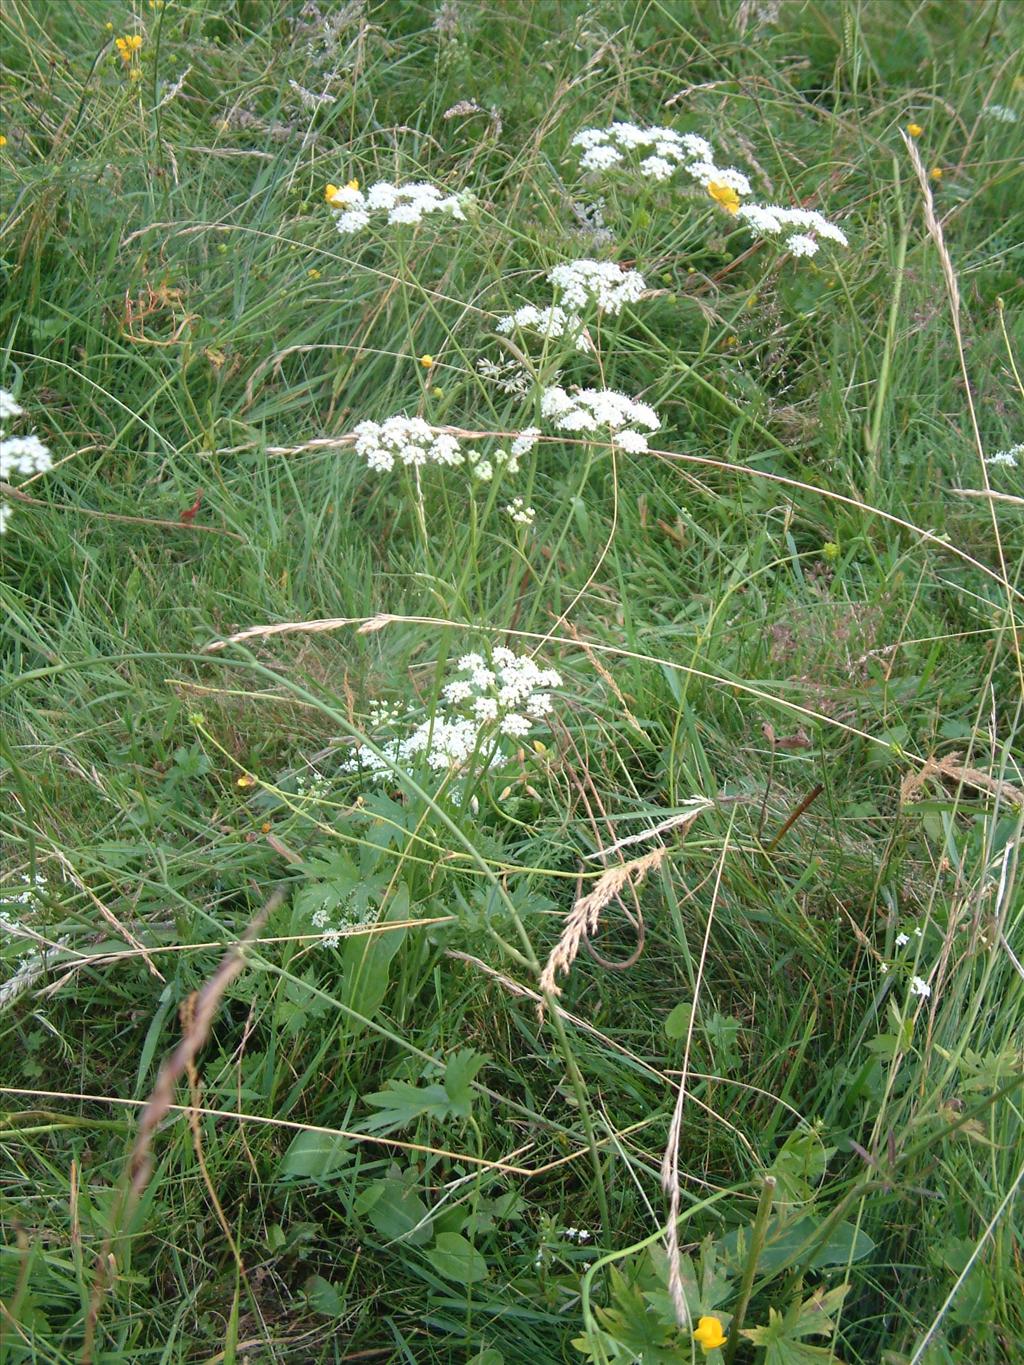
x=797 y=563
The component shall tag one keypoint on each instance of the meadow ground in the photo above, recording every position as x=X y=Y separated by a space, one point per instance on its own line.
x=726 y=707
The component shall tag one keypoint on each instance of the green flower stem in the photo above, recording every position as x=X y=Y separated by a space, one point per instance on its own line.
x=757 y=1236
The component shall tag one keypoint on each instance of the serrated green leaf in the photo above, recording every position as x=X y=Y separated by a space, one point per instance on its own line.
x=401 y=1103
x=461 y=1068
x=783 y=1336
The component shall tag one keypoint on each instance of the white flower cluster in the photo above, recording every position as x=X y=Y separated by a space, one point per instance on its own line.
x=18 y=454
x=520 y=513
x=548 y=322
x=578 y=1235
x=605 y=148
x=768 y=220
x=412 y=442
x=1001 y=113
x=503 y=696
x=331 y=927
x=1007 y=457
x=578 y=285
x=592 y=409
x=603 y=283
x=401 y=203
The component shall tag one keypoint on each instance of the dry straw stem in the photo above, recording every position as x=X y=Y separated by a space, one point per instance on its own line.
x=951 y=768
x=670 y=1181
x=582 y=920
x=953 y=291
x=9 y=491
x=200 y=1018
x=503 y=1166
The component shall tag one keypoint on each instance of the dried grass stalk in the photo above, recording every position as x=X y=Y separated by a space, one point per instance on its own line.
x=582 y=920
x=950 y=767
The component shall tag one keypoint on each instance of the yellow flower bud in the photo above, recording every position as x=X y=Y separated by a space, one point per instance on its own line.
x=935 y=173
x=914 y=129
x=426 y=361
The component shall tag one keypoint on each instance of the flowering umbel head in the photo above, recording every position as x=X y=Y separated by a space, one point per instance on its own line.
x=709 y=1334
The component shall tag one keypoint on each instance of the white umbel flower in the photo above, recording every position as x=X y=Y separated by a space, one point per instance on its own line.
x=603 y=149
x=603 y=283
x=400 y=204
x=1007 y=457
x=593 y=409
x=492 y=699
x=18 y=454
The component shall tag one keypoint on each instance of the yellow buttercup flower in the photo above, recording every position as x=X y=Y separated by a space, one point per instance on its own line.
x=245 y=781
x=935 y=173
x=3 y=140
x=127 y=47
x=914 y=129
x=724 y=195
x=426 y=361
x=709 y=1334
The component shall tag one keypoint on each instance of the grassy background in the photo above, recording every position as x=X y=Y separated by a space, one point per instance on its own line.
x=175 y=302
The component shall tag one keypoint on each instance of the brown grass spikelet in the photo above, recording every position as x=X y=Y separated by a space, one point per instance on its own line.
x=582 y=919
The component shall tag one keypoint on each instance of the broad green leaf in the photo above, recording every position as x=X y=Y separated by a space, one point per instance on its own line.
x=324 y=1297
x=678 y=1020
x=313 y=1156
x=393 y=1209
x=366 y=961
x=844 y=1243
x=457 y=1259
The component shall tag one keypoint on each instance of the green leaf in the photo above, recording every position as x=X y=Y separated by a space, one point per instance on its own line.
x=394 y=1209
x=785 y=1238
x=457 y=1259
x=459 y=1072
x=783 y=1337
x=366 y=962
x=800 y=1165
x=402 y=1103
x=678 y=1021
x=313 y=1156
x=324 y=1297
